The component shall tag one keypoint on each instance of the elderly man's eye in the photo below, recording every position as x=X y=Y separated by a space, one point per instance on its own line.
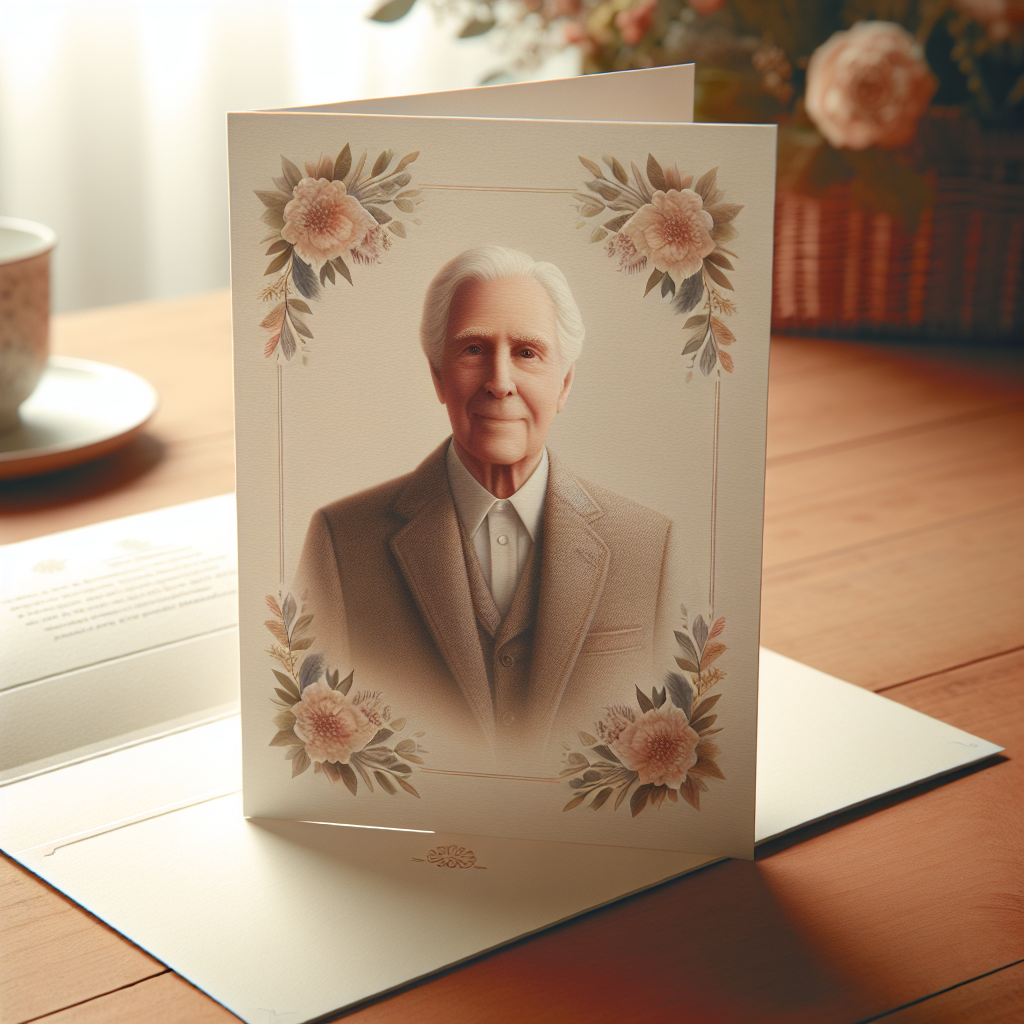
x=527 y=353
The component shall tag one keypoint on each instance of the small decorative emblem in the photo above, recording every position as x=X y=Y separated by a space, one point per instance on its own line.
x=451 y=857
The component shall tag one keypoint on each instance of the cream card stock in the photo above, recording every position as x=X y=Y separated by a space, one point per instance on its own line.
x=574 y=287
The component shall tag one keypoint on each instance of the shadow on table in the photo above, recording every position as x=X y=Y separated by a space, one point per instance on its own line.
x=713 y=947
x=739 y=941
x=82 y=483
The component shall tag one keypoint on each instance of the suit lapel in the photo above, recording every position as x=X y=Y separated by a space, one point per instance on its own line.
x=428 y=549
x=574 y=568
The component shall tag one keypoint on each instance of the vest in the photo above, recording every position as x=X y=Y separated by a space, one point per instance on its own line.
x=506 y=644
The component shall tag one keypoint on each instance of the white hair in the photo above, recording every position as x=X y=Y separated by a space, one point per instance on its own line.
x=496 y=263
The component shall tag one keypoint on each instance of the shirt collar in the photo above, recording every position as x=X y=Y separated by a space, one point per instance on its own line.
x=473 y=501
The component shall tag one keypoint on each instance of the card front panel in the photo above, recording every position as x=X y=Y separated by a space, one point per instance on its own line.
x=377 y=686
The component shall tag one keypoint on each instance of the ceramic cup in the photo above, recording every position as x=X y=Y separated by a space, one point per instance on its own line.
x=24 y=311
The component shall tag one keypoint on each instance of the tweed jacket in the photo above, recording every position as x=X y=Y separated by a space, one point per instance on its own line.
x=398 y=598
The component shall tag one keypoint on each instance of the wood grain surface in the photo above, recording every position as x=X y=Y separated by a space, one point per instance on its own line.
x=893 y=557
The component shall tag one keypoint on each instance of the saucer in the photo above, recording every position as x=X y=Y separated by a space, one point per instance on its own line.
x=80 y=411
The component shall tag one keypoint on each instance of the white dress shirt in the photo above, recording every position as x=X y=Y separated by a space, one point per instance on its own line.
x=502 y=531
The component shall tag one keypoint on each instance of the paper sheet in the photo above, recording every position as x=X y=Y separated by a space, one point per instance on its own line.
x=116 y=630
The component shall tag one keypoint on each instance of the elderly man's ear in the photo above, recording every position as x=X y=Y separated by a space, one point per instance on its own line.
x=563 y=395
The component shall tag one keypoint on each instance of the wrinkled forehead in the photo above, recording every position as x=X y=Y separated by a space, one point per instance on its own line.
x=517 y=307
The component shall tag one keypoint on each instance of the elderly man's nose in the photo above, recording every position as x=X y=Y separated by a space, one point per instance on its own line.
x=500 y=383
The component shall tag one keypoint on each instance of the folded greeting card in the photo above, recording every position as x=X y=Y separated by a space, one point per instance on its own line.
x=500 y=391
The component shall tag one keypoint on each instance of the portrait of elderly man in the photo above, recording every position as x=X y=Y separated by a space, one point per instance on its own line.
x=491 y=584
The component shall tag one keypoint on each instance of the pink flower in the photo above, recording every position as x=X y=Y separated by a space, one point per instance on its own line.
x=674 y=231
x=331 y=727
x=634 y=22
x=661 y=748
x=620 y=247
x=322 y=221
x=868 y=86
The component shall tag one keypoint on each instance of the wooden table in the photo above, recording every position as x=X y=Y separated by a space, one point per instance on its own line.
x=893 y=557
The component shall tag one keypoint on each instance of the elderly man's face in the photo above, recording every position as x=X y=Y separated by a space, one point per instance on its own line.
x=501 y=376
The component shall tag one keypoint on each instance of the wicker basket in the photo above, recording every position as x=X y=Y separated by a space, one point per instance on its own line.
x=842 y=270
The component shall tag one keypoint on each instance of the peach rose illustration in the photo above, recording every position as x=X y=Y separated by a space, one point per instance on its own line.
x=869 y=86
x=673 y=231
x=661 y=747
x=322 y=221
x=330 y=726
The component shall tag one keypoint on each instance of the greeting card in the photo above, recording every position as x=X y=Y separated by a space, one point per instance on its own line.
x=500 y=391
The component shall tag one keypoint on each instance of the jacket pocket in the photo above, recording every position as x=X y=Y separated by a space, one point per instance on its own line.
x=613 y=641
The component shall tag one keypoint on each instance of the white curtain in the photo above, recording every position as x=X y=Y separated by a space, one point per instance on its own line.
x=112 y=127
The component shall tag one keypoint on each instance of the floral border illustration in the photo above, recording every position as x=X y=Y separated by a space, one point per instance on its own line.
x=666 y=750
x=452 y=856
x=323 y=724
x=336 y=210
x=679 y=227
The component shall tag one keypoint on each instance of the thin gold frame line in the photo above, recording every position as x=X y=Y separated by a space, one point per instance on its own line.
x=499 y=188
x=280 y=472
x=488 y=775
x=714 y=499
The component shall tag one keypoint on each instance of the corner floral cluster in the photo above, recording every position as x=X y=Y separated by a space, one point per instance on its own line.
x=333 y=212
x=665 y=750
x=323 y=724
x=664 y=220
